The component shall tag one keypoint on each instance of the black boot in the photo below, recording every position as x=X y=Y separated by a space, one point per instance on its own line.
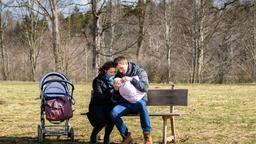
x=93 y=137
x=108 y=129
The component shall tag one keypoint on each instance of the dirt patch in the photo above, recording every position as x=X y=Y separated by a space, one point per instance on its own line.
x=2 y=102
x=184 y=138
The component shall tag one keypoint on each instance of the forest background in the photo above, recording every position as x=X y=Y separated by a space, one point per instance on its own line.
x=180 y=41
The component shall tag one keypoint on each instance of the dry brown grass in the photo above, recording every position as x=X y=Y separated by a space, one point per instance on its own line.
x=216 y=114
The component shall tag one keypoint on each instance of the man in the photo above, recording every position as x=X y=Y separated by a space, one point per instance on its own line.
x=126 y=71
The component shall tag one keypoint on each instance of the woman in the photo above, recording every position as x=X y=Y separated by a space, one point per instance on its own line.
x=101 y=102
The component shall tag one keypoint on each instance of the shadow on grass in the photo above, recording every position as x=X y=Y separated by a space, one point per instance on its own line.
x=30 y=140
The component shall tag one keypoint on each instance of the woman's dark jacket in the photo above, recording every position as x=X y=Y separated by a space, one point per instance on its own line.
x=101 y=102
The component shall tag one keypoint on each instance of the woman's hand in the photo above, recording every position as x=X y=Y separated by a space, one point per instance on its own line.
x=117 y=84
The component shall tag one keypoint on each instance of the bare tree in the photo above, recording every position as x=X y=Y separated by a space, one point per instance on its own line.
x=141 y=16
x=203 y=30
x=53 y=16
x=58 y=53
x=198 y=36
x=32 y=30
x=97 y=32
x=168 y=22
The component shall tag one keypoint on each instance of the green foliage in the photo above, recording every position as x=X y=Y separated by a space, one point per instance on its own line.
x=137 y=12
x=77 y=22
x=30 y=28
x=130 y=10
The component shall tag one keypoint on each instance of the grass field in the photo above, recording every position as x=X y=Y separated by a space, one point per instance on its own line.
x=217 y=114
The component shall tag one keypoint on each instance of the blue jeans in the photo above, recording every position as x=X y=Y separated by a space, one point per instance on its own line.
x=122 y=109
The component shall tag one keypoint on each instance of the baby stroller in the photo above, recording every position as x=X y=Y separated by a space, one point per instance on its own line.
x=56 y=105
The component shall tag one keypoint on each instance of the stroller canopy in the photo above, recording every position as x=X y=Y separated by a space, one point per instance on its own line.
x=54 y=85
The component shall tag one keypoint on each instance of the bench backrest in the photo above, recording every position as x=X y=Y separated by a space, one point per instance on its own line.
x=168 y=97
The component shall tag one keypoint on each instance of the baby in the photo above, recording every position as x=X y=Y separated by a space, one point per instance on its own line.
x=128 y=91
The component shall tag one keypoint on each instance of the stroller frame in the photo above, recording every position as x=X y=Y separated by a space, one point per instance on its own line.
x=43 y=129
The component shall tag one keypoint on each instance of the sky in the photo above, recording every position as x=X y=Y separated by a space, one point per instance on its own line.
x=67 y=6
x=221 y=3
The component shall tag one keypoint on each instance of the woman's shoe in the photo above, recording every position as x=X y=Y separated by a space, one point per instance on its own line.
x=106 y=141
x=93 y=139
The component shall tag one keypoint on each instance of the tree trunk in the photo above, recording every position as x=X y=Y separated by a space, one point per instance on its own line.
x=2 y=54
x=168 y=32
x=201 y=45
x=2 y=50
x=32 y=47
x=112 y=28
x=86 y=63
x=32 y=59
x=66 y=58
x=194 y=50
x=57 y=51
x=141 y=17
x=97 y=29
x=224 y=61
x=254 y=44
x=198 y=42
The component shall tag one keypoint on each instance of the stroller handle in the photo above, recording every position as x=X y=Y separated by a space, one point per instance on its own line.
x=57 y=74
x=57 y=80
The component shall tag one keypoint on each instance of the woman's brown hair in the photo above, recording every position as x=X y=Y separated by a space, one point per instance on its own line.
x=106 y=66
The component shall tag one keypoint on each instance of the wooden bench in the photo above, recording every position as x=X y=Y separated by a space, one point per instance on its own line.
x=166 y=97
x=170 y=98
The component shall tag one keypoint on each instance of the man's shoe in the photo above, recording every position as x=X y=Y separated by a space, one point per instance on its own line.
x=147 y=138
x=127 y=139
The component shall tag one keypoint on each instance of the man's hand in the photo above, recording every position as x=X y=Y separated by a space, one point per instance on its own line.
x=126 y=78
x=117 y=84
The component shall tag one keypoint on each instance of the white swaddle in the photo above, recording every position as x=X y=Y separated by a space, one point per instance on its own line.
x=129 y=92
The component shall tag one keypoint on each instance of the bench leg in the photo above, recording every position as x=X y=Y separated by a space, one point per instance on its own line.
x=173 y=129
x=164 y=129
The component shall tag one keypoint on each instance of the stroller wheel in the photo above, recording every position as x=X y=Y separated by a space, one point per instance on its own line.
x=40 y=134
x=71 y=135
